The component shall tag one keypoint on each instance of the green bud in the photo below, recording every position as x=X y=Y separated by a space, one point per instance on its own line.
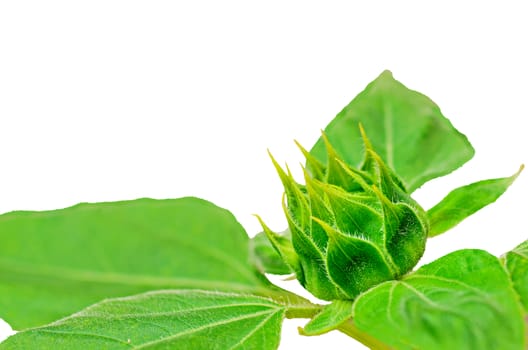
x=351 y=228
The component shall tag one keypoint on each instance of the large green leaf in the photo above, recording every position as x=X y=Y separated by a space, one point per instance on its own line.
x=465 y=201
x=188 y=319
x=54 y=263
x=463 y=300
x=516 y=261
x=406 y=129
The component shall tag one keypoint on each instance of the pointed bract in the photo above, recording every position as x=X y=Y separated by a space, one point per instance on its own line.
x=317 y=169
x=285 y=249
x=335 y=174
x=350 y=228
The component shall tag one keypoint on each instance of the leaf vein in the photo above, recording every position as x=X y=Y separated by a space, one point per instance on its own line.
x=170 y=313
x=105 y=337
x=198 y=329
x=253 y=331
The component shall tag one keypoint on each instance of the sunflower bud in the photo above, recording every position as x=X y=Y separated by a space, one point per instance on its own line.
x=351 y=228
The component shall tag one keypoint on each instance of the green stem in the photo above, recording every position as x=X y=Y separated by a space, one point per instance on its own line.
x=309 y=310
x=303 y=311
x=299 y=307
x=350 y=329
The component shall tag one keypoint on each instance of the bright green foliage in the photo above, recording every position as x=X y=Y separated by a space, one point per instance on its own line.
x=56 y=262
x=329 y=318
x=265 y=257
x=516 y=261
x=183 y=319
x=354 y=236
x=464 y=201
x=407 y=130
x=463 y=300
x=350 y=228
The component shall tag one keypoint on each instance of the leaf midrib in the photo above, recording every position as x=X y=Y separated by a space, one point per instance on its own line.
x=433 y=304
x=520 y=254
x=170 y=313
x=388 y=125
x=218 y=254
x=78 y=275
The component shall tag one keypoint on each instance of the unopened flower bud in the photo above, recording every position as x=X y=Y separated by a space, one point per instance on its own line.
x=351 y=228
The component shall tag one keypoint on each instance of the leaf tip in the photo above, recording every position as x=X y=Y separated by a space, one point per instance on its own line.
x=330 y=231
x=387 y=73
x=301 y=331
x=262 y=223
x=516 y=175
x=364 y=137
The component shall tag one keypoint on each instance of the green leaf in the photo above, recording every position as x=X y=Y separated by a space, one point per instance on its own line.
x=465 y=201
x=265 y=257
x=329 y=318
x=463 y=300
x=406 y=129
x=516 y=261
x=181 y=319
x=54 y=263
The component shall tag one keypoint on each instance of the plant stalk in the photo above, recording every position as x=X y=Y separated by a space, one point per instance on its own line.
x=303 y=311
x=309 y=310
x=350 y=329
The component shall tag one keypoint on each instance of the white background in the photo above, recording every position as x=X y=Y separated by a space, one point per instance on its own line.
x=110 y=100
